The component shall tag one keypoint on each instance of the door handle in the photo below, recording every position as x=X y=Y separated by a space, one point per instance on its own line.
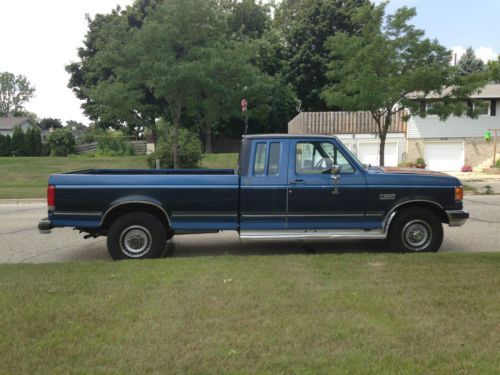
x=297 y=182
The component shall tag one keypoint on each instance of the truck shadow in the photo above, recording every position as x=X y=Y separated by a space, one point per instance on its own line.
x=228 y=244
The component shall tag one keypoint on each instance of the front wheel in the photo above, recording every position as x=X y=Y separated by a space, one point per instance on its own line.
x=136 y=235
x=416 y=230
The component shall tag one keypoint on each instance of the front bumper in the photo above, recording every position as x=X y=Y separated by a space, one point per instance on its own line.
x=457 y=218
x=45 y=226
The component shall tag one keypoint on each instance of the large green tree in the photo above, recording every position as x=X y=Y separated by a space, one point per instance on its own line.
x=305 y=26
x=15 y=92
x=391 y=66
x=50 y=123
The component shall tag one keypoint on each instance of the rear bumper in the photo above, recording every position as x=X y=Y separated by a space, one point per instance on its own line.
x=457 y=218
x=45 y=226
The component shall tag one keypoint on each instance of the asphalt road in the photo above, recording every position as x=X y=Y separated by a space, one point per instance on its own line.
x=20 y=241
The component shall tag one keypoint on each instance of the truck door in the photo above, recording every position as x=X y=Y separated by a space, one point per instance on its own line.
x=315 y=199
x=264 y=187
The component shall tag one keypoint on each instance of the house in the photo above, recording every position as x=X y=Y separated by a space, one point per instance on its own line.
x=458 y=141
x=444 y=145
x=7 y=124
x=358 y=131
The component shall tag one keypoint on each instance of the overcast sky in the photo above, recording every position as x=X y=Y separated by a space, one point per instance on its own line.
x=38 y=38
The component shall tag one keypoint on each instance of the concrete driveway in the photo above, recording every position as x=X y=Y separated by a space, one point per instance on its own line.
x=20 y=241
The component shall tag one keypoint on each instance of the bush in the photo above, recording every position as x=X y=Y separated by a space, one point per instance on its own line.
x=406 y=164
x=61 y=142
x=113 y=145
x=18 y=141
x=497 y=164
x=5 y=145
x=189 y=151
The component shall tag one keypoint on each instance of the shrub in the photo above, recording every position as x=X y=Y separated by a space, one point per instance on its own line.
x=497 y=164
x=189 y=151
x=5 y=145
x=406 y=164
x=113 y=145
x=420 y=163
x=466 y=168
x=61 y=142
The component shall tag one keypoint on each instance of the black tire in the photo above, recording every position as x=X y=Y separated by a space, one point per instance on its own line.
x=136 y=235
x=416 y=229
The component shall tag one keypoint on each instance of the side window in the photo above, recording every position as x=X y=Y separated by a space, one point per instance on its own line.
x=259 y=165
x=273 y=164
x=318 y=158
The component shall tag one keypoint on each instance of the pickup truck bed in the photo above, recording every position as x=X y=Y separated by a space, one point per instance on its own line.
x=286 y=187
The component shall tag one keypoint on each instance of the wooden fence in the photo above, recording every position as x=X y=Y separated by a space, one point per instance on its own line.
x=341 y=123
x=139 y=147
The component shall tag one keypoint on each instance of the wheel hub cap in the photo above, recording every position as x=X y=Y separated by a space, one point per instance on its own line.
x=417 y=235
x=135 y=241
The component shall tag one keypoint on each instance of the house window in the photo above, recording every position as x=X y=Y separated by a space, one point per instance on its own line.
x=482 y=107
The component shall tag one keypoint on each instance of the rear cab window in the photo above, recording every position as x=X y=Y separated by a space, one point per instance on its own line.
x=267 y=159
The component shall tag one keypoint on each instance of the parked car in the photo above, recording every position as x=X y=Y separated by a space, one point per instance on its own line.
x=286 y=186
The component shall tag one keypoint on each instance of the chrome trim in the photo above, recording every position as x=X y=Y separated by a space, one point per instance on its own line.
x=327 y=215
x=393 y=209
x=71 y=213
x=313 y=233
x=203 y=214
x=457 y=218
x=133 y=202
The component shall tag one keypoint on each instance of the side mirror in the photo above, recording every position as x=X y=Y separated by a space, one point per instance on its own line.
x=335 y=169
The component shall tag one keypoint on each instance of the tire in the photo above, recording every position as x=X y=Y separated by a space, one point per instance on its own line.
x=415 y=229
x=136 y=235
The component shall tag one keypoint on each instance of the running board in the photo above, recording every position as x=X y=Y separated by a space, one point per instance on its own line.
x=374 y=234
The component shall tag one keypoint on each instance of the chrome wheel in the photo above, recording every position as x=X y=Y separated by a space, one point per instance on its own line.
x=135 y=241
x=416 y=235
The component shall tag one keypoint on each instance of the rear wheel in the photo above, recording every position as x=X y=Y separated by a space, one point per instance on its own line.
x=416 y=230
x=136 y=235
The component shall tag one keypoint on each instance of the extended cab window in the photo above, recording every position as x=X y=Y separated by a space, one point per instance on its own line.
x=267 y=162
x=318 y=158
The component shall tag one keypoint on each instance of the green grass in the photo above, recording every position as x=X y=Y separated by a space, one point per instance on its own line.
x=24 y=177
x=294 y=314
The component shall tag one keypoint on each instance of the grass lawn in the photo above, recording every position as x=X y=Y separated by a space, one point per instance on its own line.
x=295 y=314
x=25 y=177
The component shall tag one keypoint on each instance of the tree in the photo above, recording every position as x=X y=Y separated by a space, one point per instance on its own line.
x=50 y=123
x=469 y=63
x=249 y=18
x=18 y=141
x=377 y=70
x=15 y=92
x=61 y=142
x=494 y=70
x=305 y=26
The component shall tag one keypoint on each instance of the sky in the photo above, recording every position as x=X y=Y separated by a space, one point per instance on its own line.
x=38 y=38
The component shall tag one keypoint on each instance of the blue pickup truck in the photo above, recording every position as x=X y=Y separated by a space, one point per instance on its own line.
x=286 y=187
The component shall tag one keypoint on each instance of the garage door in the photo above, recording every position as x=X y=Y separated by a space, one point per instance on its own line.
x=368 y=153
x=444 y=156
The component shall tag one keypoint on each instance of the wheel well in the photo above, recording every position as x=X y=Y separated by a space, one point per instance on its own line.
x=440 y=213
x=122 y=209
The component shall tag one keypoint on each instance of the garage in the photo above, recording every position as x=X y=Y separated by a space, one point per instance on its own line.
x=368 y=153
x=444 y=156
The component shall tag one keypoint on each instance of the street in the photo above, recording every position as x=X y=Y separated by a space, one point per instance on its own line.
x=20 y=241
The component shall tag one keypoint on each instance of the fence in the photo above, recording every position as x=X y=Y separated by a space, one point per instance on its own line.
x=139 y=147
x=341 y=123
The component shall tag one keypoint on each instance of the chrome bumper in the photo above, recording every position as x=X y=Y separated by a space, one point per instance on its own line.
x=457 y=218
x=45 y=226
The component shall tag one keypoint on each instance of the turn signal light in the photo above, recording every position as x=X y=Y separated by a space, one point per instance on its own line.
x=51 y=197
x=459 y=193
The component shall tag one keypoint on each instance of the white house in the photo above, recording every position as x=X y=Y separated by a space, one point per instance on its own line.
x=459 y=141
x=358 y=131
x=7 y=124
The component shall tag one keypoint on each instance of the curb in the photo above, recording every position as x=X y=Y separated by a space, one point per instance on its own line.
x=23 y=201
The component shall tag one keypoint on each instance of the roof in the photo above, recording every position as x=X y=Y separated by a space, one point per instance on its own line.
x=490 y=91
x=12 y=122
x=267 y=136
